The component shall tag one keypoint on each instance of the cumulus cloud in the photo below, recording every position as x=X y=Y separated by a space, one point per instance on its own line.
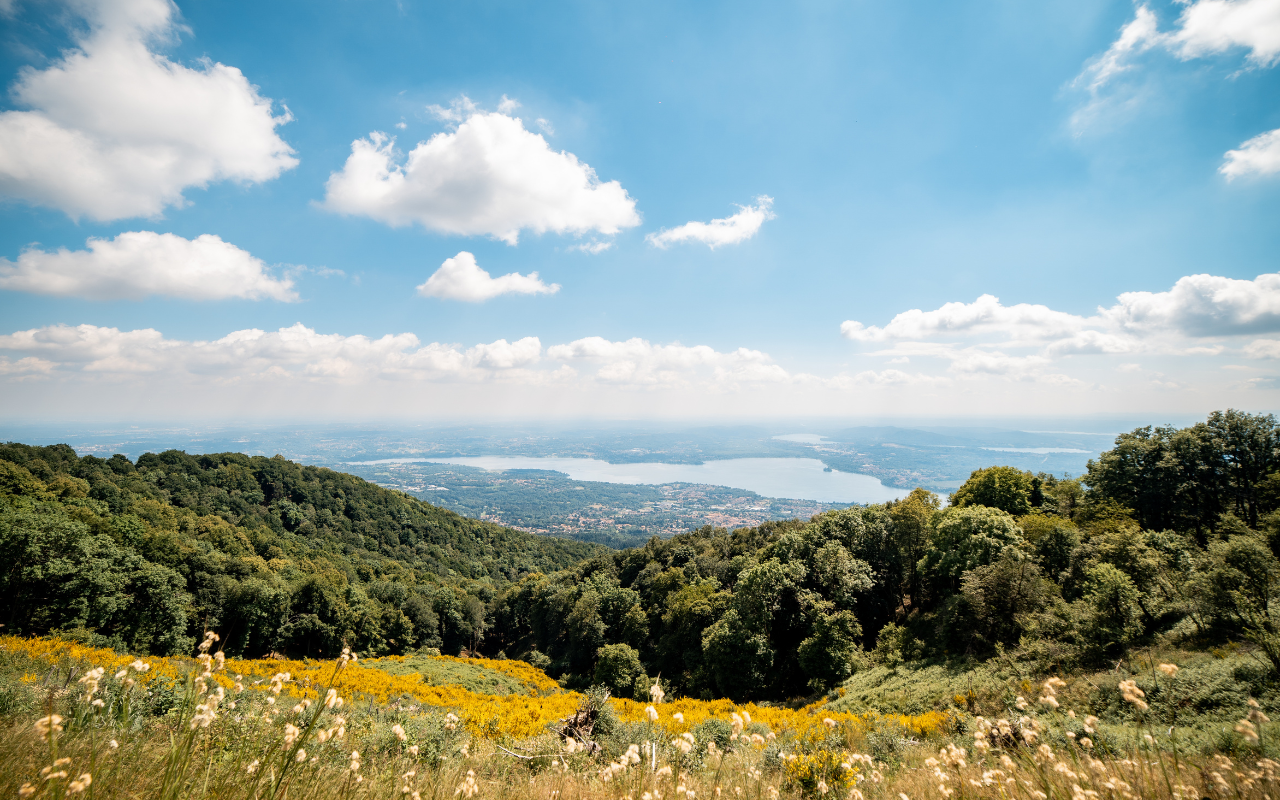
x=985 y=315
x=1203 y=305
x=487 y=176
x=1021 y=341
x=293 y=352
x=115 y=130
x=142 y=263
x=1207 y=27
x=718 y=232
x=1197 y=306
x=1258 y=156
x=637 y=361
x=300 y=353
x=461 y=278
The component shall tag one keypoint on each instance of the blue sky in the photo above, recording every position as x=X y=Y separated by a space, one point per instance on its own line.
x=911 y=160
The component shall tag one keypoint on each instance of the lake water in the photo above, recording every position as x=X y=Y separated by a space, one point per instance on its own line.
x=794 y=478
x=803 y=438
x=1040 y=450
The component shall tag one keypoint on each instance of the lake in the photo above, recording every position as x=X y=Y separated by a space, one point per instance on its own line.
x=794 y=478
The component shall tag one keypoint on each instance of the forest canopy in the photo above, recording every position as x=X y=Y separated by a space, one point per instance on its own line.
x=273 y=555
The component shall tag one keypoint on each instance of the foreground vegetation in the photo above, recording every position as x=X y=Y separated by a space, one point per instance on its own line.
x=217 y=727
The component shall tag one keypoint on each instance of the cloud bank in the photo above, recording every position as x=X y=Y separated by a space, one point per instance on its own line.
x=1191 y=318
x=637 y=361
x=461 y=278
x=115 y=130
x=489 y=176
x=141 y=263
x=301 y=353
x=719 y=232
x=296 y=352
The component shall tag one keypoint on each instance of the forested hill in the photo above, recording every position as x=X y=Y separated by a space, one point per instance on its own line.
x=272 y=554
x=1170 y=539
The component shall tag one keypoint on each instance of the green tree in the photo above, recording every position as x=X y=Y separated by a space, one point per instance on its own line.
x=1001 y=595
x=828 y=654
x=738 y=657
x=1113 y=600
x=1238 y=583
x=1006 y=488
x=913 y=528
x=1248 y=449
x=967 y=538
x=618 y=667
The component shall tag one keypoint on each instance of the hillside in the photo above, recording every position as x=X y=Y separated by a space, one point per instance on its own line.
x=273 y=554
x=1169 y=541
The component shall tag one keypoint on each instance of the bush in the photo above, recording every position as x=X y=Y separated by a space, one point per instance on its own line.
x=618 y=667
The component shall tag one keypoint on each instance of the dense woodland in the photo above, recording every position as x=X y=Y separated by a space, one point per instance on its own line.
x=273 y=555
x=1172 y=533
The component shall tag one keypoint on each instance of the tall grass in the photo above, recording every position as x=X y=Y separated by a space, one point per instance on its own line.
x=195 y=729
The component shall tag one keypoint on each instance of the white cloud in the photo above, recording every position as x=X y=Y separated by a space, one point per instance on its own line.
x=1203 y=305
x=1205 y=27
x=1198 y=306
x=115 y=130
x=507 y=355
x=461 y=278
x=301 y=353
x=593 y=248
x=142 y=263
x=986 y=315
x=985 y=338
x=489 y=176
x=25 y=366
x=295 y=352
x=1263 y=348
x=1258 y=156
x=891 y=378
x=718 y=232
x=1138 y=36
x=637 y=361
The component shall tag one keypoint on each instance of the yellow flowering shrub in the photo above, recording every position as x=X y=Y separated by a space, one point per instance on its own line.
x=804 y=772
x=526 y=677
x=803 y=722
x=492 y=716
x=517 y=716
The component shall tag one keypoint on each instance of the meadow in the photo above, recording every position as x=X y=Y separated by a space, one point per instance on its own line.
x=78 y=720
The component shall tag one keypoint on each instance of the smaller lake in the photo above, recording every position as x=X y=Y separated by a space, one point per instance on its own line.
x=1039 y=450
x=803 y=438
x=793 y=478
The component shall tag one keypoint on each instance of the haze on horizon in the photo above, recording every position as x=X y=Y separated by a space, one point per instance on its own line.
x=728 y=211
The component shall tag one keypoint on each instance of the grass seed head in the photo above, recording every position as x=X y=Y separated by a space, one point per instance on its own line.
x=48 y=725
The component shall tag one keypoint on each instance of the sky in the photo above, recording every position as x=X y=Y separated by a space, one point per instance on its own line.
x=392 y=208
